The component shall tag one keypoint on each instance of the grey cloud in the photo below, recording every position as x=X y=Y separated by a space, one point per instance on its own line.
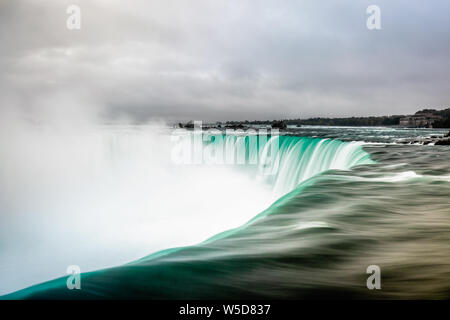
x=225 y=59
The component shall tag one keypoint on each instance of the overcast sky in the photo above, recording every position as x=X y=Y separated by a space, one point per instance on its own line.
x=224 y=59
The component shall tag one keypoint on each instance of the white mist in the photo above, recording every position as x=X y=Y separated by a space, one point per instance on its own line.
x=106 y=195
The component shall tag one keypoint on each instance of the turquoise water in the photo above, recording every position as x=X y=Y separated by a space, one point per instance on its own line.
x=341 y=205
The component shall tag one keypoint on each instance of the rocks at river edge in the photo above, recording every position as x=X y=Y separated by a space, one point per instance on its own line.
x=435 y=140
x=442 y=142
x=279 y=124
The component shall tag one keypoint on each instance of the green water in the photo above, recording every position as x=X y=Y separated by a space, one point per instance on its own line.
x=342 y=206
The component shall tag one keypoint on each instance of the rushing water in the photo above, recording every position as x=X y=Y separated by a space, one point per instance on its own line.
x=345 y=199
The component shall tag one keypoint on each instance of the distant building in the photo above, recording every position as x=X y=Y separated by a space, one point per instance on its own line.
x=419 y=120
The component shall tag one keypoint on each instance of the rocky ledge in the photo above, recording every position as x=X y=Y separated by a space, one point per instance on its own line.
x=435 y=140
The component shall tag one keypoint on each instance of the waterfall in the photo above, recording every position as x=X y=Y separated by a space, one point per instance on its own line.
x=281 y=161
x=172 y=206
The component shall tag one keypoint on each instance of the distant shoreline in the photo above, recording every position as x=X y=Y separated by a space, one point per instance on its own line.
x=426 y=118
